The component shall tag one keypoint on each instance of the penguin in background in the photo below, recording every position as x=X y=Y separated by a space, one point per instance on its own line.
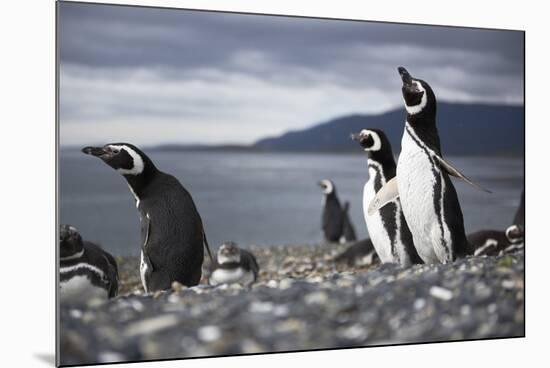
x=387 y=227
x=360 y=253
x=495 y=242
x=332 y=219
x=86 y=271
x=519 y=218
x=172 y=233
x=348 y=232
x=428 y=198
x=233 y=265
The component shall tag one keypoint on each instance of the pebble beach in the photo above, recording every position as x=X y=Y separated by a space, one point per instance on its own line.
x=302 y=300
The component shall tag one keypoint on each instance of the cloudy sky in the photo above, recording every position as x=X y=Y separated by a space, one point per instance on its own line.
x=152 y=76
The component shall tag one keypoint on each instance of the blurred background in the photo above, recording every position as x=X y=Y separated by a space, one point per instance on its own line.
x=249 y=112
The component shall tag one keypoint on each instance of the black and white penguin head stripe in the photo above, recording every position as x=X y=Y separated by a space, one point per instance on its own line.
x=368 y=139
x=125 y=158
x=327 y=186
x=514 y=234
x=417 y=94
x=229 y=252
x=70 y=243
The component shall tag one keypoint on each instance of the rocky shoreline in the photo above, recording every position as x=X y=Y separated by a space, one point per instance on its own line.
x=302 y=300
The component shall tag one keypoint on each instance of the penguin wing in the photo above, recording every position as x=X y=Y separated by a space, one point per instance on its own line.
x=250 y=263
x=451 y=170
x=146 y=232
x=385 y=195
x=146 y=229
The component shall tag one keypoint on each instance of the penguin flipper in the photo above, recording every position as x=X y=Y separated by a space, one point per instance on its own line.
x=385 y=195
x=451 y=170
x=146 y=237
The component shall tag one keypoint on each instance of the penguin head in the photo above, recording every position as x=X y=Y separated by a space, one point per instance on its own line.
x=372 y=140
x=229 y=252
x=70 y=241
x=514 y=234
x=125 y=158
x=417 y=94
x=327 y=186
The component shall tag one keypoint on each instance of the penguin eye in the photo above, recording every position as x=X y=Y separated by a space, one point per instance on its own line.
x=115 y=151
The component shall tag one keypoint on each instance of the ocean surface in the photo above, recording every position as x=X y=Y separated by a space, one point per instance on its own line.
x=261 y=198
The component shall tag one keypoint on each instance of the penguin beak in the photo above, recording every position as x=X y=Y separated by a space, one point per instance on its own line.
x=94 y=151
x=405 y=76
x=355 y=136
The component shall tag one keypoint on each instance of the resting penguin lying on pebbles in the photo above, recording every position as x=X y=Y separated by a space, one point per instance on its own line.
x=85 y=270
x=332 y=220
x=428 y=198
x=360 y=253
x=172 y=234
x=233 y=265
x=387 y=227
x=494 y=242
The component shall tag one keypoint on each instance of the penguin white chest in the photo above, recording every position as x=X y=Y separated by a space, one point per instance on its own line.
x=79 y=289
x=377 y=232
x=230 y=276
x=416 y=182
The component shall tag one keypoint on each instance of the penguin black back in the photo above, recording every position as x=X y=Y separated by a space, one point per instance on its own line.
x=348 y=231
x=172 y=234
x=332 y=220
x=360 y=253
x=488 y=242
x=519 y=218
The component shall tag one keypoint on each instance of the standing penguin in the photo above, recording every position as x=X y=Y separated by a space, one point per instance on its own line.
x=332 y=220
x=172 y=234
x=85 y=270
x=428 y=197
x=348 y=231
x=387 y=227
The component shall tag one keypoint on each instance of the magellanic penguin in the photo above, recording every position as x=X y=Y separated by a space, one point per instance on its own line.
x=360 y=253
x=234 y=265
x=348 y=231
x=428 y=197
x=332 y=219
x=387 y=227
x=172 y=234
x=85 y=270
x=494 y=242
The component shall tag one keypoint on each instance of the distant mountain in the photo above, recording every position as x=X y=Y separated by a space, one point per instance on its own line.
x=202 y=147
x=464 y=129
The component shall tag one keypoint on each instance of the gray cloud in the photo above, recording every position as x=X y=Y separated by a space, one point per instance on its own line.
x=217 y=73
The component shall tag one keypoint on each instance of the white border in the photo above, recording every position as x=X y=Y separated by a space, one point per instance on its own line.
x=27 y=185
